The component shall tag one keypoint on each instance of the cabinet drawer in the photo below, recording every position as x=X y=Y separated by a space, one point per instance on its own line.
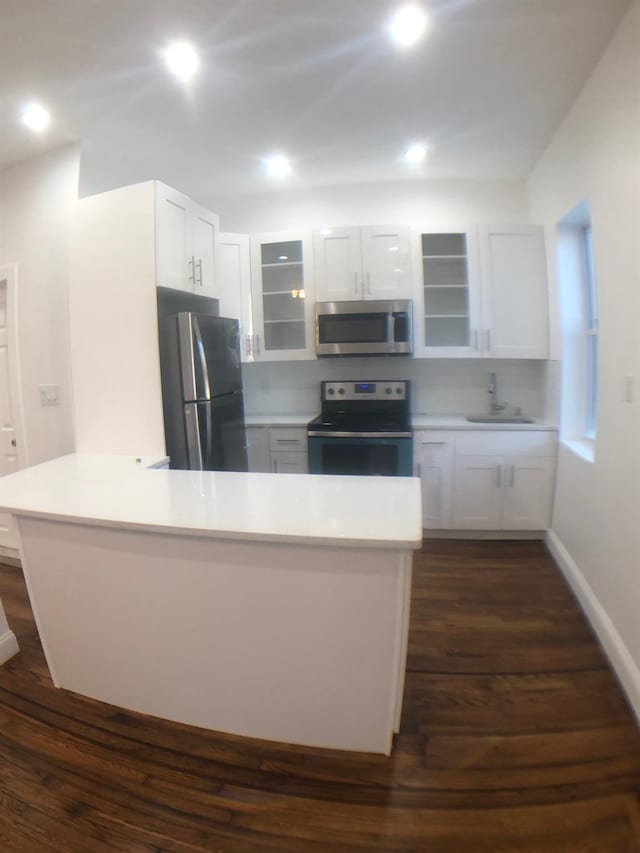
x=506 y=442
x=431 y=438
x=288 y=438
x=286 y=462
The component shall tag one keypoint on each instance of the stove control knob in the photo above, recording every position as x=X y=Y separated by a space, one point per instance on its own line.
x=388 y=390
x=340 y=390
x=398 y=390
x=332 y=390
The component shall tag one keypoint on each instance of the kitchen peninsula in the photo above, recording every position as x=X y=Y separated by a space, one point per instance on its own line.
x=271 y=606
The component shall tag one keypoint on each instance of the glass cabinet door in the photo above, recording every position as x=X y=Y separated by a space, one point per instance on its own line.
x=283 y=295
x=448 y=321
x=282 y=299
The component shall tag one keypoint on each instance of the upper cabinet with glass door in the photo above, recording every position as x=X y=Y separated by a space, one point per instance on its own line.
x=282 y=296
x=368 y=262
x=447 y=322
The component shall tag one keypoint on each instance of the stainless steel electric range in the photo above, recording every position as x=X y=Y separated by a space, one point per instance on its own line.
x=364 y=428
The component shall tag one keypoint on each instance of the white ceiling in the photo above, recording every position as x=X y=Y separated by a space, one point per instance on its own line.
x=317 y=79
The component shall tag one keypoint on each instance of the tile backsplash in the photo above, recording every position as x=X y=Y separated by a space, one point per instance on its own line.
x=446 y=387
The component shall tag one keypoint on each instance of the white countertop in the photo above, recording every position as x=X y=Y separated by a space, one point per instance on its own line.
x=280 y=420
x=461 y=422
x=117 y=491
x=418 y=421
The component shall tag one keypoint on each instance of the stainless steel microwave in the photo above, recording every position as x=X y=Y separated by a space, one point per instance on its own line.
x=382 y=327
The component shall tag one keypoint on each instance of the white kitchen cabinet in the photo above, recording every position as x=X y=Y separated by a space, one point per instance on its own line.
x=433 y=458
x=258 y=449
x=448 y=295
x=186 y=241
x=504 y=480
x=514 y=292
x=283 y=297
x=478 y=493
x=233 y=264
x=481 y=293
x=528 y=492
x=368 y=262
x=289 y=450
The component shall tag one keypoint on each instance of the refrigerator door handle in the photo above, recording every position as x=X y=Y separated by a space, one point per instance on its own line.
x=206 y=388
x=191 y=348
x=192 y=428
x=208 y=438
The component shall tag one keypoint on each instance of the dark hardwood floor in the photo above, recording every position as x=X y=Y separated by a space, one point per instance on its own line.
x=515 y=737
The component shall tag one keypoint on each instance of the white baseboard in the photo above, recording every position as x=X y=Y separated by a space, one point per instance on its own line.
x=8 y=646
x=483 y=534
x=618 y=654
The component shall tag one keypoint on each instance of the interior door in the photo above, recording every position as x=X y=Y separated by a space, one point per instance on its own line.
x=12 y=450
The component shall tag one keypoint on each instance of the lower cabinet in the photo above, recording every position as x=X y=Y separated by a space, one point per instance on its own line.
x=280 y=450
x=433 y=453
x=486 y=480
x=504 y=480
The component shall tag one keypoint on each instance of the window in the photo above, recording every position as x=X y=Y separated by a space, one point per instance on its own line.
x=579 y=329
x=591 y=316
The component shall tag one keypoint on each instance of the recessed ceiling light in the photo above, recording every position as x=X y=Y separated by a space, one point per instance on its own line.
x=415 y=153
x=35 y=117
x=182 y=60
x=326 y=232
x=278 y=166
x=408 y=25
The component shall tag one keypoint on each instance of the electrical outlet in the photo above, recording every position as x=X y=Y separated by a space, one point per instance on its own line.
x=49 y=395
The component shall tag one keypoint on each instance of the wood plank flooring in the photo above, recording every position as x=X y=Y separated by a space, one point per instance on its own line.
x=515 y=737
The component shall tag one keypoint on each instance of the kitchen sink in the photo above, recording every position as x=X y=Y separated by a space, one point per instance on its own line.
x=498 y=419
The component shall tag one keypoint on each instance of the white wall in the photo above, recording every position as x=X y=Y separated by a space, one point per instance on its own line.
x=595 y=156
x=447 y=202
x=35 y=201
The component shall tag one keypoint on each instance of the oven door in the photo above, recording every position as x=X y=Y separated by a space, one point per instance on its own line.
x=361 y=455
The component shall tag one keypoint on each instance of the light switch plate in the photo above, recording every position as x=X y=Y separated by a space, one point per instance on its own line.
x=49 y=395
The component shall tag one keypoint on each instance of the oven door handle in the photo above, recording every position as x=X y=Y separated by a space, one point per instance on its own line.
x=316 y=434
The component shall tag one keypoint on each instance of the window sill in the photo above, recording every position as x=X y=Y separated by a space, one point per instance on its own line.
x=585 y=448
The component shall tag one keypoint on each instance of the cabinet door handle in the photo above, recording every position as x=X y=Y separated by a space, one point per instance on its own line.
x=475 y=340
x=498 y=476
x=247 y=345
x=257 y=343
x=275 y=466
x=512 y=479
x=192 y=263
x=488 y=340
x=418 y=469
x=287 y=441
x=199 y=265
x=355 y=283
x=369 y=283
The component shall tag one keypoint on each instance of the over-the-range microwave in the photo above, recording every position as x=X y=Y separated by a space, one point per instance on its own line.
x=381 y=327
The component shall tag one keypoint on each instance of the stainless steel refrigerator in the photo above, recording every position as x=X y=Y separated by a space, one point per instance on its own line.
x=201 y=387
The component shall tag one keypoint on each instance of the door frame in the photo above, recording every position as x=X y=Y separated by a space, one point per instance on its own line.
x=9 y=273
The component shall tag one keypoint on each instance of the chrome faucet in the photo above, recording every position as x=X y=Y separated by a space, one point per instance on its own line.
x=493 y=390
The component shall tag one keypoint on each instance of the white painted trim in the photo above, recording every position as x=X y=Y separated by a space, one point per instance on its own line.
x=614 y=646
x=9 y=272
x=8 y=646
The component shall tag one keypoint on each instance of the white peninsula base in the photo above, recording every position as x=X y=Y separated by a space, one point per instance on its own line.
x=288 y=637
